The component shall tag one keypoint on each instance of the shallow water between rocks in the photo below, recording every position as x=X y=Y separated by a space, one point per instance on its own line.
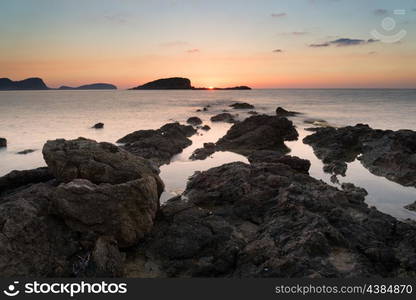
x=29 y=118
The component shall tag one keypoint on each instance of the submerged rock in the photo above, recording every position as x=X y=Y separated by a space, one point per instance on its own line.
x=103 y=200
x=316 y=122
x=223 y=117
x=281 y=112
x=268 y=220
x=194 y=121
x=260 y=132
x=159 y=145
x=242 y=105
x=206 y=128
x=98 y=126
x=387 y=153
x=3 y=142
x=26 y=151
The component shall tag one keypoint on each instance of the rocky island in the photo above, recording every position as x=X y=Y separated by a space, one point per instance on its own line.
x=179 y=83
x=93 y=86
x=34 y=83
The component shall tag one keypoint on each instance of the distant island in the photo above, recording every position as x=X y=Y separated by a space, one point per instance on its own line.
x=34 y=83
x=179 y=83
x=93 y=86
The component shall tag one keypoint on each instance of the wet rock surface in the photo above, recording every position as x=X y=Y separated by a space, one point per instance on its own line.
x=268 y=220
x=98 y=126
x=387 y=153
x=242 y=105
x=204 y=152
x=224 y=117
x=99 y=200
x=260 y=132
x=159 y=145
x=194 y=121
x=281 y=112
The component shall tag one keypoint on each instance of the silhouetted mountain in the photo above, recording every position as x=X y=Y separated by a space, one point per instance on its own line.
x=27 y=84
x=174 y=83
x=93 y=86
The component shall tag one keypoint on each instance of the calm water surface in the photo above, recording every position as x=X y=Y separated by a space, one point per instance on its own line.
x=29 y=119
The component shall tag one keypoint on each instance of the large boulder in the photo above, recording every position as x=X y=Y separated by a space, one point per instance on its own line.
x=102 y=200
x=260 y=132
x=159 y=145
x=98 y=162
x=268 y=220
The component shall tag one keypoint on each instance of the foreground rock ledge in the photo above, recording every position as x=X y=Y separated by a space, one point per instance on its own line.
x=268 y=220
x=100 y=199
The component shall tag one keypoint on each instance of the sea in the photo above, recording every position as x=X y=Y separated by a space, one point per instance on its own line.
x=29 y=118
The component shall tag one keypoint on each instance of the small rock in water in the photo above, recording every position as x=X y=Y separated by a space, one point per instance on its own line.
x=3 y=142
x=26 y=151
x=205 y=127
x=194 y=121
x=252 y=112
x=224 y=117
x=242 y=105
x=411 y=206
x=281 y=112
x=98 y=126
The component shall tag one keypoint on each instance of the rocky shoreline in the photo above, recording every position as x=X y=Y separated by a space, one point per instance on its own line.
x=95 y=210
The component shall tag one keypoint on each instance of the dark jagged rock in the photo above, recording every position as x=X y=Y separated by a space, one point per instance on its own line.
x=281 y=112
x=260 y=132
x=93 y=86
x=98 y=126
x=268 y=220
x=76 y=228
x=336 y=167
x=411 y=206
x=194 y=121
x=387 y=153
x=203 y=153
x=223 y=117
x=26 y=84
x=18 y=179
x=276 y=157
x=26 y=151
x=3 y=143
x=159 y=145
x=174 y=83
x=206 y=128
x=243 y=105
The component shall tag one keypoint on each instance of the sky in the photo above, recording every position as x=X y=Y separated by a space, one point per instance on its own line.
x=262 y=43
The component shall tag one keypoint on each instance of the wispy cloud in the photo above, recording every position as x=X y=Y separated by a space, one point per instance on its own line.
x=174 y=44
x=117 y=18
x=279 y=15
x=195 y=50
x=319 y=45
x=344 y=42
x=277 y=51
x=381 y=12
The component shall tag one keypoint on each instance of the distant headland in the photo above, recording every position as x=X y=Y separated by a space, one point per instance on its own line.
x=34 y=83
x=93 y=86
x=179 y=83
